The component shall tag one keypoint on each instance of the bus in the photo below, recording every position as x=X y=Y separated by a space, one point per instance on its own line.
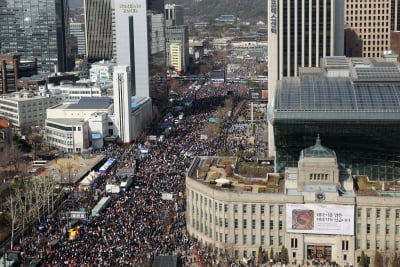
x=39 y=163
x=102 y=204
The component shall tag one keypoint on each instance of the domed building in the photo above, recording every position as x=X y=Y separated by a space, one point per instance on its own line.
x=318 y=211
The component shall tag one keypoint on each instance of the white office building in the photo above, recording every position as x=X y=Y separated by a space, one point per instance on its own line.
x=25 y=108
x=132 y=46
x=102 y=71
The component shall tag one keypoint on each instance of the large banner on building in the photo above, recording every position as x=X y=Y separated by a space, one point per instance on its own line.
x=320 y=219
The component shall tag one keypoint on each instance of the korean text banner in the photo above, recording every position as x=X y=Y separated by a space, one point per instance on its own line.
x=320 y=219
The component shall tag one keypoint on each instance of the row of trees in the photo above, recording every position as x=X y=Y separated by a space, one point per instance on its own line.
x=28 y=202
x=381 y=259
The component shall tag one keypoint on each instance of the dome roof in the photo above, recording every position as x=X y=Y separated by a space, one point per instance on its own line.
x=318 y=151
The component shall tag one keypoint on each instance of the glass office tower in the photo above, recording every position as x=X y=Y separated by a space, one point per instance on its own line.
x=353 y=105
x=36 y=28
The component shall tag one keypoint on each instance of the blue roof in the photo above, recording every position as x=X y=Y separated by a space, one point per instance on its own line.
x=139 y=103
x=96 y=136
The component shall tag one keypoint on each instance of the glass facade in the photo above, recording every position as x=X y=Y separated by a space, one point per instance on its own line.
x=36 y=28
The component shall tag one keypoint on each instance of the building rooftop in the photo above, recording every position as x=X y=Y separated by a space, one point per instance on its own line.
x=371 y=90
x=88 y=103
x=218 y=172
x=66 y=121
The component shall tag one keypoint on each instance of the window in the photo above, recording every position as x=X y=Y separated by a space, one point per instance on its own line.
x=280 y=209
x=226 y=223
x=280 y=225
x=387 y=214
x=378 y=244
x=253 y=208
x=358 y=244
x=397 y=229
x=387 y=229
x=378 y=228
x=244 y=239
x=358 y=228
x=368 y=244
x=262 y=240
x=253 y=239
x=244 y=207
x=225 y=207
x=236 y=239
x=280 y=240
x=244 y=223
x=368 y=228
x=387 y=244
x=345 y=245
x=262 y=225
x=378 y=213
x=271 y=210
x=235 y=208
x=262 y=209
x=236 y=223
x=253 y=224
x=358 y=212
x=368 y=213
x=293 y=242
x=271 y=225
x=397 y=213
x=271 y=240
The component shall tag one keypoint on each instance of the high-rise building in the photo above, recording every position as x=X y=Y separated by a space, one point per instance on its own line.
x=131 y=35
x=173 y=15
x=299 y=34
x=77 y=29
x=157 y=53
x=395 y=15
x=371 y=23
x=99 y=36
x=33 y=28
x=178 y=36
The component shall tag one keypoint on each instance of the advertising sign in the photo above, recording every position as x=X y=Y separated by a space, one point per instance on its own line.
x=320 y=219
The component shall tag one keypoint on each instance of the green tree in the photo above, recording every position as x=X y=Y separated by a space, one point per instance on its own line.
x=260 y=256
x=362 y=261
x=271 y=254
x=282 y=256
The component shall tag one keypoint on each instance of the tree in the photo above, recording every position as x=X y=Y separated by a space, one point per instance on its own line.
x=395 y=260
x=362 y=261
x=271 y=254
x=378 y=259
x=260 y=256
x=282 y=256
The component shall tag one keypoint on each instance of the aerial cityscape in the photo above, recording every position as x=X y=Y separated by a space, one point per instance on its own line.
x=196 y=133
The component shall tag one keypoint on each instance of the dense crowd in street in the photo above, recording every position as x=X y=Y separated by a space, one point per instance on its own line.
x=138 y=224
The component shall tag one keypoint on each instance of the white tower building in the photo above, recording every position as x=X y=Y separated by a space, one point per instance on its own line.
x=122 y=105
x=132 y=42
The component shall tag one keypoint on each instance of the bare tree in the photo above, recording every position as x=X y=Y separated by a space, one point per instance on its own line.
x=14 y=212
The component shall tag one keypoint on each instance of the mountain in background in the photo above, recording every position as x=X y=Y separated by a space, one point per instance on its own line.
x=209 y=10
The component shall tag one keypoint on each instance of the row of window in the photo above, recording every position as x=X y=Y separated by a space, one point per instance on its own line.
x=224 y=207
x=378 y=244
x=318 y=176
x=369 y=213
x=378 y=228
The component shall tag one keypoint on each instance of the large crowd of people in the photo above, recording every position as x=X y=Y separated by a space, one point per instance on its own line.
x=139 y=223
